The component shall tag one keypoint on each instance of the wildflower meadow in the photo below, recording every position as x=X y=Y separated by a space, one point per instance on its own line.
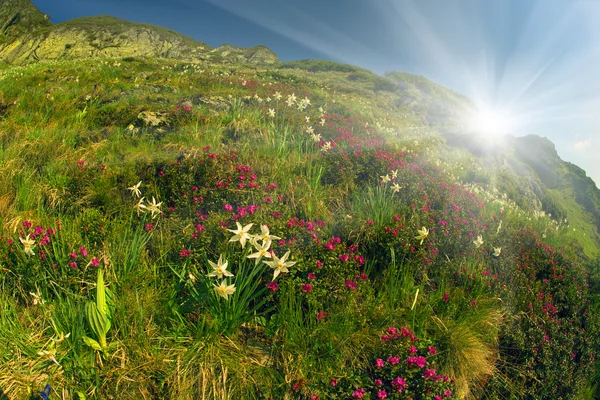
x=206 y=230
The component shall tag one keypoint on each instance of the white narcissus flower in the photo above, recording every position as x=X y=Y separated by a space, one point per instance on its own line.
x=396 y=187
x=277 y=96
x=241 y=234
x=385 y=178
x=478 y=242
x=262 y=250
x=224 y=290
x=291 y=99
x=154 y=207
x=28 y=245
x=219 y=269
x=423 y=233
x=135 y=189
x=37 y=298
x=497 y=251
x=316 y=137
x=140 y=206
x=265 y=235
x=322 y=122
x=272 y=112
x=280 y=264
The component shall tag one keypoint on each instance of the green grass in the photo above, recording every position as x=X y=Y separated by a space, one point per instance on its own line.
x=69 y=151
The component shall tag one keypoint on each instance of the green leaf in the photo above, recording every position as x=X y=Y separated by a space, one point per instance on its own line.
x=101 y=294
x=98 y=322
x=80 y=396
x=93 y=344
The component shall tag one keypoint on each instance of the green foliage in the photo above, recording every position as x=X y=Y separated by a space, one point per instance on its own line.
x=510 y=315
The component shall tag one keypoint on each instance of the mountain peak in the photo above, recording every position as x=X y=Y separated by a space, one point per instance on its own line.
x=18 y=17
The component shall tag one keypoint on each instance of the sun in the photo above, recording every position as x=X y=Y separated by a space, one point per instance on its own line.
x=491 y=123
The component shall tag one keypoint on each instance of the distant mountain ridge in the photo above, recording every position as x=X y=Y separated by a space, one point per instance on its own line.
x=27 y=35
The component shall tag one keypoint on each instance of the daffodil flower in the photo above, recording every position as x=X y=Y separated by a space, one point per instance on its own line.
x=423 y=233
x=140 y=206
x=262 y=250
x=497 y=251
x=265 y=235
x=224 y=290
x=396 y=187
x=28 y=245
x=478 y=242
x=241 y=234
x=37 y=298
x=280 y=264
x=219 y=269
x=385 y=179
x=272 y=112
x=154 y=207
x=135 y=189
x=291 y=99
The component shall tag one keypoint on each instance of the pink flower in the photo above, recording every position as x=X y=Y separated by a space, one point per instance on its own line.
x=272 y=285
x=95 y=262
x=419 y=361
x=447 y=393
x=399 y=383
x=333 y=382
x=73 y=255
x=149 y=227
x=446 y=297
x=184 y=253
x=393 y=360
x=73 y=264
x=432 y=350
x=413 y=350
x=350 y=284
x=83 y=251
x=228 y=207
x=344 y=257
x=378 y=382
x=359 y=393
x=307 y=288
x=382 y=394
x=379 y=363
x=321 y=315
x=429 y=373
x=312 y=276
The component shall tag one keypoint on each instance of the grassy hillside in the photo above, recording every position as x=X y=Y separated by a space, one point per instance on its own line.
x=202 y=230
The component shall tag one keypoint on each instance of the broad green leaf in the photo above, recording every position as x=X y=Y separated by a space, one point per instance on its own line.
x=92 y=343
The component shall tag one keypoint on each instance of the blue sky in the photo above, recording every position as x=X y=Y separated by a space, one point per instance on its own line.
x=537 y=60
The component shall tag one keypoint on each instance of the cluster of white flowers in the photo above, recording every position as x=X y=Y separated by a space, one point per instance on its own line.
x=152 y=207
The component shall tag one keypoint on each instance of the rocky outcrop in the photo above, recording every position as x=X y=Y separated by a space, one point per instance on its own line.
x=29 y=36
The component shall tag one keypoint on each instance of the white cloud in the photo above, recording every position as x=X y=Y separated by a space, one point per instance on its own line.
x=582 y=144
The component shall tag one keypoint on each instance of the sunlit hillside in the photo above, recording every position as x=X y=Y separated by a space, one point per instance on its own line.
x=223 y=228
